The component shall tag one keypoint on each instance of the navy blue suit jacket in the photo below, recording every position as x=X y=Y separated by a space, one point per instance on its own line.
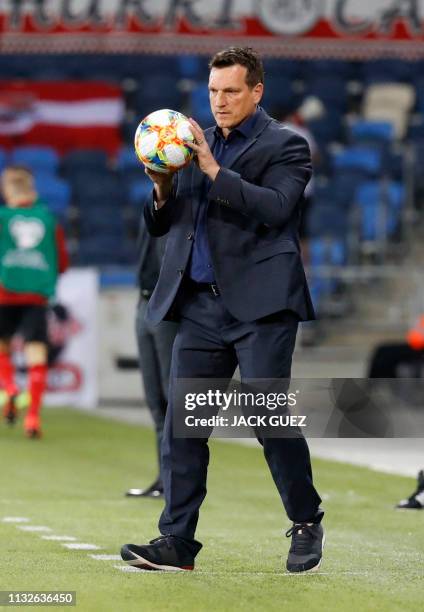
x=253 y=217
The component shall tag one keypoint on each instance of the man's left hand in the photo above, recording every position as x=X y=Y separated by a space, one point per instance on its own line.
x=205 y=159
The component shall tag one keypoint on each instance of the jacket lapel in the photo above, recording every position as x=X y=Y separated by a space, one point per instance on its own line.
x=197 y=176
x=262 y=121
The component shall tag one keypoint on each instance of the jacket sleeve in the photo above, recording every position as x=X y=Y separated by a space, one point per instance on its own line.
x=282 y=185
x=158 y=222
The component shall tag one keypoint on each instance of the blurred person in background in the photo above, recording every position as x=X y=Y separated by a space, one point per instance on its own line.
x=233 y=276
x=32 y=254
x=154 y=346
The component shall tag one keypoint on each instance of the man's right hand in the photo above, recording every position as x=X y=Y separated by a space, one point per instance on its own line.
x=162 y=183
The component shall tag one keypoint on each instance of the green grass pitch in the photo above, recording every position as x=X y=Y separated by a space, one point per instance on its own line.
x=73 y=481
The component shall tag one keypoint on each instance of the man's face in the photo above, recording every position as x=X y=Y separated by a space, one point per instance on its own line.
x=232 y=100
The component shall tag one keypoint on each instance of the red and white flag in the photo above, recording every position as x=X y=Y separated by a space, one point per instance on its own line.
x=64 y=115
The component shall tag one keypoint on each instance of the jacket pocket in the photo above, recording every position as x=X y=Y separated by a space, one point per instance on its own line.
x=274 y=248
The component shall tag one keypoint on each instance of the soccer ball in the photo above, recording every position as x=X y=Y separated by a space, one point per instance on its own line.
x=159 y=141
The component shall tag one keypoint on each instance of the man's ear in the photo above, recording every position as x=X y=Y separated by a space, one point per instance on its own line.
x=258 y=92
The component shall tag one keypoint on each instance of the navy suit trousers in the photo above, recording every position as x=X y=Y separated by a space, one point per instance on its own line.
x=210 y=343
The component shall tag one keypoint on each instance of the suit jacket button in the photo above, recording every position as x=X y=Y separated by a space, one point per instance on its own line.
x=180 y=271
x=190 y=236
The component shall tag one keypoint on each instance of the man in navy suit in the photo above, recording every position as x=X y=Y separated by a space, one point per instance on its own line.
x=232 y=275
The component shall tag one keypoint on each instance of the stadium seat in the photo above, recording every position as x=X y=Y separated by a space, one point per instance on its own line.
x=200 y=106
x=388 y=71
x=36 y=158
x=380 y=204
x=324 y=254
x=279 y=94
x=84 y=160
x=416 y=128
x=192 y=66
x=327 y=219
x=371 y=131
x=364 y=159
x=99 y=187
x=327 y=129
x=100 y=219
x=160 y=90
x=55 y=192
x=127 y=158
x=328 y=67
x=390 y=102
x=138 y=190
x=290 y=69
x=3 y=159
x=105 y=251
x=331 y=90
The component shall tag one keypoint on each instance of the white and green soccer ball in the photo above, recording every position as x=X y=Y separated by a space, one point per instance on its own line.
x=160 y=141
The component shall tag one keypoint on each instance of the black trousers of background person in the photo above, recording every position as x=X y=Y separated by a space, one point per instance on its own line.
x=209 y=344
x=154 y=352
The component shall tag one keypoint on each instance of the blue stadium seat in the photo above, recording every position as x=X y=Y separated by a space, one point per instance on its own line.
x=327 y=219
x=335 y=68
x=98 y=187
x=371 y=131
x=55 y=192
x=192 y=66
x=331 y=90
x=105 y=250
x=364 y=159
x=380 y=204
x=416 y=129
x=3 y=159
x=325 y=252
x=291 y=69
x=200 y=106
x=419 y=91
x=138 y=190
x=388 y=71
x=101 y=220
x=327 y=129
x=127 y=158
x=36 y=157
x=279 y=94
x=84 y=160
x=160 y=90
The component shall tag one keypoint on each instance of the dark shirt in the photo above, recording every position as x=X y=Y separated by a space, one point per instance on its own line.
x=200 y=267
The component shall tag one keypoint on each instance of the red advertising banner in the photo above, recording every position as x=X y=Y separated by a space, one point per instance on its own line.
x=299 y=28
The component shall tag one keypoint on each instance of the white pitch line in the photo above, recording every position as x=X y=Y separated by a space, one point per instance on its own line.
x=34 y=528
x=56 y=538
x=81 y=546
x=129 y=568
x=15 y=519
x=106 y=557
x=282 y=574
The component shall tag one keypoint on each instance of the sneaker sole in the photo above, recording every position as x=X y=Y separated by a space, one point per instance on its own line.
x=145 y=564
x=317 y=566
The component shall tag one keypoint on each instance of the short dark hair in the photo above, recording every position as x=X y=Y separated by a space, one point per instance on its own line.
x=243 y=56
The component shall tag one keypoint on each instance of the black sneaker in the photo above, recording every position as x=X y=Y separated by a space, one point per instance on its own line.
x=167 y=553
x=305 y=552
x=155 y=490
x=416 y=500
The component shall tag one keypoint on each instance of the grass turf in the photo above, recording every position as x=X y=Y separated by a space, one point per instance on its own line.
x=73 y=482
